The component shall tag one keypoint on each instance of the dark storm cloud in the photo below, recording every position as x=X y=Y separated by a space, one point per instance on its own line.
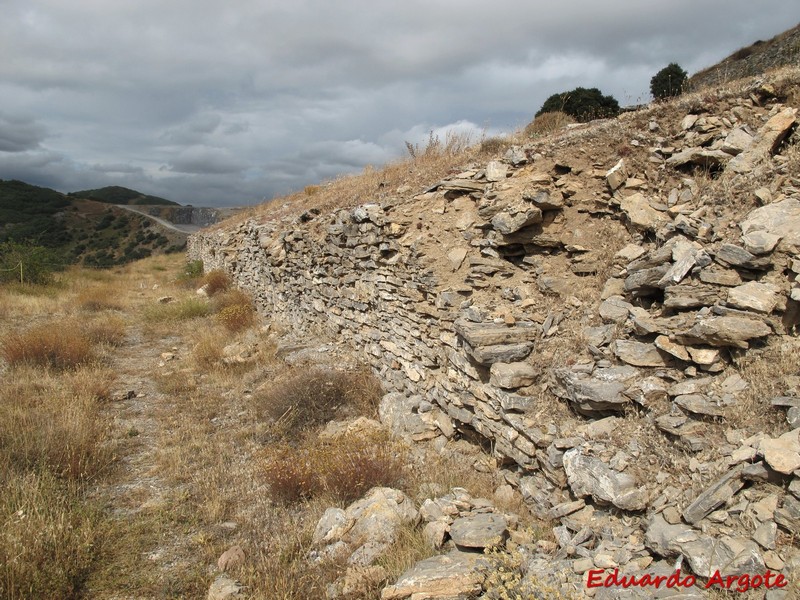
x=230 y=103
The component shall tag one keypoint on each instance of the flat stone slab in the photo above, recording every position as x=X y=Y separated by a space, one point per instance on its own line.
x=781 y=219
x=453 y=575
x=479 y=531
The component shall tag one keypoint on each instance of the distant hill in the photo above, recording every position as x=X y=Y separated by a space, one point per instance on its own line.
x=115 y=194
x=752 y=60
x=81 y=230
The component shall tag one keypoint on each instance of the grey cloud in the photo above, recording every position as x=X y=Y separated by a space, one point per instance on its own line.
x=203 y=160
x=18 y=134
x=200 y=101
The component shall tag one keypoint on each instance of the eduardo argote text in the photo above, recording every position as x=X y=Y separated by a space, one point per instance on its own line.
x=596 y=578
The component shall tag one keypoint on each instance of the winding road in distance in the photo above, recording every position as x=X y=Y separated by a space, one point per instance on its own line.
x=162 y=222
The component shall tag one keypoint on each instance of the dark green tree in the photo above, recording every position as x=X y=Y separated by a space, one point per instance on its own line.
x=668 y=82
x=583 y=104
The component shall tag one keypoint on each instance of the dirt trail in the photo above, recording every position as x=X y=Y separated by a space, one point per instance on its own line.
x=146 y=557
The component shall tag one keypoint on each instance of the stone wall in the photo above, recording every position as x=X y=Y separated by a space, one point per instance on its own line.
x=348 y=277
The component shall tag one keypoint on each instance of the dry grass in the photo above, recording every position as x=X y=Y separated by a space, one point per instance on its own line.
x=99 y=298
x=52 y=423
x=303 y=399
x=57 y=345
x=207 y=348
x=106 y=329
x=216 y=281
x=49 y=540
x=175 y=312
x=547 y=123
x=426 y=164
x=342 y=469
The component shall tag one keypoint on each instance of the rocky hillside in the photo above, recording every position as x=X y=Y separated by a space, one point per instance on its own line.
x=752 y=60
x=611 y=310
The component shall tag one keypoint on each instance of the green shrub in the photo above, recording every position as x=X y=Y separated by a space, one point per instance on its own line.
x=581 y=103
x=668 y=82
x=27 y=263
x=183 y=310
x=192 y=270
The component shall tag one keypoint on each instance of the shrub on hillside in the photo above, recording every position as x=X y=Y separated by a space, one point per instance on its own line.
x=668 y=82
x=236 y=317
x=55 y=345
x=547 y=123
x=216 y=281
x=343 y=468
x=581 y=103
x=306 y=398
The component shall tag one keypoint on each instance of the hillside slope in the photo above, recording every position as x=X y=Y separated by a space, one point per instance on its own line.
x=613 y=310
x=751 y=61
x=80 y=230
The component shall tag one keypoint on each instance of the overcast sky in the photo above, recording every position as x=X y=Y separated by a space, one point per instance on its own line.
x=218 y=103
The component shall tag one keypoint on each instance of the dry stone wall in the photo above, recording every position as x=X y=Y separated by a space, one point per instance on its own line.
x=351 y=278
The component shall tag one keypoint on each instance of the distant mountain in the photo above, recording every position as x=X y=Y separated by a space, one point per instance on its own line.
x=115 y=194
x=81 y=230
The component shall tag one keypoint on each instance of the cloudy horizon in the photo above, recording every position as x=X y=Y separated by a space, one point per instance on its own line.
x=207 y=104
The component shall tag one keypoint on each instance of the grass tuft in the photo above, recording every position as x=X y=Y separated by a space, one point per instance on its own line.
x=58 y=345
x=343 y=468
x=216 y=281
x=304 y=399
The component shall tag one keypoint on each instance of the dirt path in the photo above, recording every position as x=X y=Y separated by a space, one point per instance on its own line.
x=149 y=550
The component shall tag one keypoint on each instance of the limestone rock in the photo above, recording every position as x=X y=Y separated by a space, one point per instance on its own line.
x=512 y=220
x=715 y=495
x=640 y=354
x=725 y=331
x=589 y=476
x=760 y=242
x=368 y=526
x=759 y=297
x=224 y=588
x=484 y=530
x=666 y=539
x=736 y=141
x=766 y=141
x=447 y=576
x=783 y=453
x=728 y=555
x=781 y=219
x=496 y=171
x=640 y=214
x=512 y=375
x=617 y=175
x=232 y=558
x=599 y=392
x=699 y=156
